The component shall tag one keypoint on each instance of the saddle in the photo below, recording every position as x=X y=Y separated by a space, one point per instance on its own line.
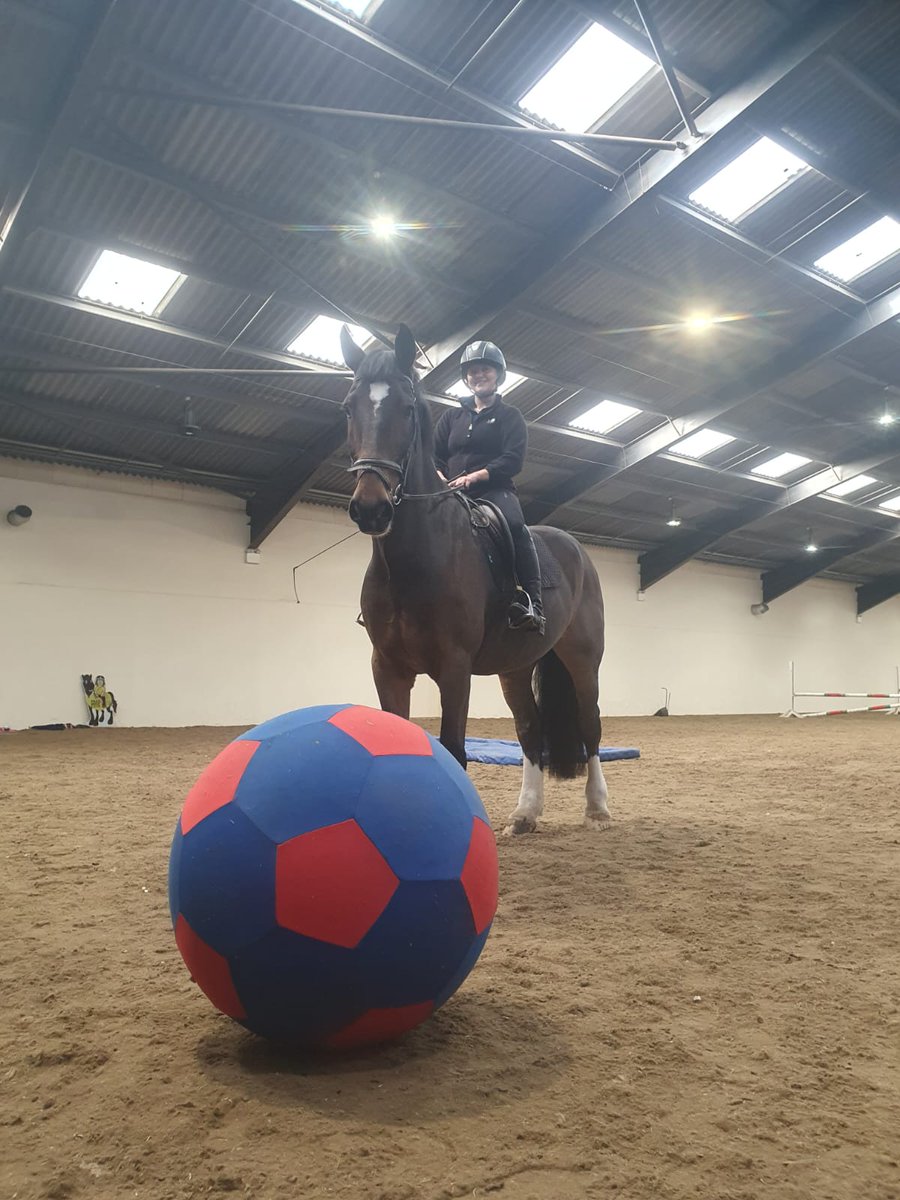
x=491 y=531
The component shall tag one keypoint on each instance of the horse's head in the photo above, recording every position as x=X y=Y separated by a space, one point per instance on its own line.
x=381 y=409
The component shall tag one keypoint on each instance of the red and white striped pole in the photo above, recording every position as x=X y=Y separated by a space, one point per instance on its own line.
x=892 y=707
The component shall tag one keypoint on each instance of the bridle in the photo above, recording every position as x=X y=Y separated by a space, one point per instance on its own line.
x=377 y=466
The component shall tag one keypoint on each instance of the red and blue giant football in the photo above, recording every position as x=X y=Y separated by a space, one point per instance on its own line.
x=333 y=877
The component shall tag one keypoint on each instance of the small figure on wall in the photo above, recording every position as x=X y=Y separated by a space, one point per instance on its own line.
x=100 y=701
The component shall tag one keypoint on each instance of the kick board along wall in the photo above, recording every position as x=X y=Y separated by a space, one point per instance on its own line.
x=145 y=583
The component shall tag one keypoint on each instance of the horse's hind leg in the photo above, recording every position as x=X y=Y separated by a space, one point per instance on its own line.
x=583 y=668
x=519 y=696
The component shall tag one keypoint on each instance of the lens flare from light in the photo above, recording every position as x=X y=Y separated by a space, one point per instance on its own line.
x=383 y=226
x=699 y=323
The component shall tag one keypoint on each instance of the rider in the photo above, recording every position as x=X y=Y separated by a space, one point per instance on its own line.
x=479 y=447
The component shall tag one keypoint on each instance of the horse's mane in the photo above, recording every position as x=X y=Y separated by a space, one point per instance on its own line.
x=377 y=367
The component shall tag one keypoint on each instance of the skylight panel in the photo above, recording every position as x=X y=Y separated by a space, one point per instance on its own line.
x=363 y=9
x=603 y=417
x=749 y=179
x=849 y=486
x=130 y=283
x=321 y=340
x=585 y=83
x=701 y=443
x=863 y=252
x=511 y=381
x=892 y=505
x=781 y=464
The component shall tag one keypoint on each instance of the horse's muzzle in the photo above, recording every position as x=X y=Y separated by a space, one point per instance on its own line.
x=372 y=517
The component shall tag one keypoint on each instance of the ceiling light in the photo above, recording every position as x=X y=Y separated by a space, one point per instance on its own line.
x=130 y=283
x=603 y=417
x=701 y=443
x=752 y=177
x=781 y=464
x=861 y=253
x=892 y=505
x=698 y=323
x=321 y=340
x=383 y=226
x=585 y=82
x=673 y=520
x=887 y=417
x=810 y=547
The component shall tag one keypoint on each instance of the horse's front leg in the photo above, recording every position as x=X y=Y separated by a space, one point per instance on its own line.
x=517 y=692
x=455 y=684
x=393 y=683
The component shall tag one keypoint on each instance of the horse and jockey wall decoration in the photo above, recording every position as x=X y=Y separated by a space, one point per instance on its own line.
x=99 y=699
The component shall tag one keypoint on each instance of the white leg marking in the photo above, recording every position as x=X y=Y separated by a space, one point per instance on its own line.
x=596 y=813
x=524 y=817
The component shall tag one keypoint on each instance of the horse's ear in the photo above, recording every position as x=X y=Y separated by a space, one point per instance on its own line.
x=353 y=355
x=405 y=349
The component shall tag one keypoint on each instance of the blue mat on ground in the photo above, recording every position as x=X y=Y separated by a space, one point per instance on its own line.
x=509 y=754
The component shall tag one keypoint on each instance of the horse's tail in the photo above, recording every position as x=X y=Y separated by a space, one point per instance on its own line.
x=564 y=754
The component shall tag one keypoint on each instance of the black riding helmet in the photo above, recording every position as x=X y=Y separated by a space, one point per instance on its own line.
x=485 y=352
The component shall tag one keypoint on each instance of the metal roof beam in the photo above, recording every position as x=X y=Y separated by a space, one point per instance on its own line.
x=88 y=48
x=792 y=272
x=274 y=501
x=785 y=578
x=390 y=176
x=90 y=308
x=665 y=64
x=449 y=86
x=234 y=484
x=831 y=334
x=657 y=564
x=879 y=196
x=883 y=99
x=81 y=415
x=193 y=386
x=876 y=592
x=642 y=181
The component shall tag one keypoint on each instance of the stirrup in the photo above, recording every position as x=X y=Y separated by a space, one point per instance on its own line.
x=521 y=615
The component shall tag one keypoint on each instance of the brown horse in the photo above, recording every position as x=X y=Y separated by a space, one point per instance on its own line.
x=431 y=606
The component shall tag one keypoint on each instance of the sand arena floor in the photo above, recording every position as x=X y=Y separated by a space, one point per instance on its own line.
x=702 y=1002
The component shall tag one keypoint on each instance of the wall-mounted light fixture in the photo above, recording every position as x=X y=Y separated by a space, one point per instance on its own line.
x=19 y=515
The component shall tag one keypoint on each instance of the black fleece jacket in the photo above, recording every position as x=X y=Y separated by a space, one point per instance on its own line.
x=495 y=438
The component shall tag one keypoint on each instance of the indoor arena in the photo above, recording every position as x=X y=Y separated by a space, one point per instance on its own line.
x=450 y=599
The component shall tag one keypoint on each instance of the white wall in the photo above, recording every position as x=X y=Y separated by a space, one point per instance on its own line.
x=145 y=583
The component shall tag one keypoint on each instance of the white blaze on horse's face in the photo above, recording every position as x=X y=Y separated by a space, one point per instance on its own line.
x=378 y=392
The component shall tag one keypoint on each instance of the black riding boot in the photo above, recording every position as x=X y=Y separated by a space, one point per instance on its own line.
x=527 y=610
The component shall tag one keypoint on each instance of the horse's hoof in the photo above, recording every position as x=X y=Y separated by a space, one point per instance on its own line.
x=599 y=824
x=520 y=825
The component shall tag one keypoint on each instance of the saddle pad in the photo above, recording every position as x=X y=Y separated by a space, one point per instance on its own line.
x=509 y=754
x=551 y=575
